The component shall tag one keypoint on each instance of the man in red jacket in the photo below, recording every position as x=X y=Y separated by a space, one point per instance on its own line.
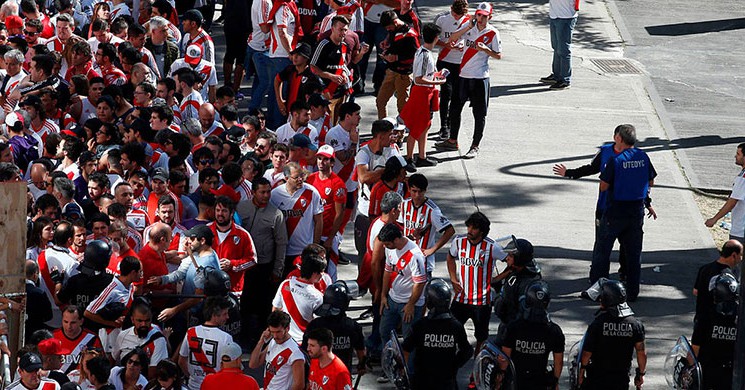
x=233 y=244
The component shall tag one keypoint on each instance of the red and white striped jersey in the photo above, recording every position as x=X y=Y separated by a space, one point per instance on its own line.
x=114 y=292
x=85 y=340
x=279 y=360
x=427 y=217
x=203 y=347
x=286 y=132
x=298 y=299
x=299 y=209
x=44 y=128
x=407 y=268
x=475 y=63
x=475 y=265
x=189 y=106
x=245 y=191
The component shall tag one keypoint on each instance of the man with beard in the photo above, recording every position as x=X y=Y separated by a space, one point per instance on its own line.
x=327 y=371
x=298 y=124
x=233 y=244
x=145 y=335
x=65 y=26
x=166 y=213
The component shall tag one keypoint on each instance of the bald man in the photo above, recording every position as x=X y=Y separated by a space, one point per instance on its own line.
x=39 y=180
x=153 y=254
x=140 y=73
x=207 y=119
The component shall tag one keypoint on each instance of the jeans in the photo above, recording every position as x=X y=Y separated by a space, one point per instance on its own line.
x=374 y=343
x=394 y=315
x=261 y=82
x=477 y=91
x=628 y=231
x=393 y=82
x=374 y=34
x=561 y=41
x=274 y=118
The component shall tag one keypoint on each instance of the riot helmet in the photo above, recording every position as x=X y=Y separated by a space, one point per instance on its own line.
x=439 y=293
x=216 y=283
x=534 y=303
x=521 y=251
x=97 y=255
x=613 y=298
x=725 y=293
x=335 y=300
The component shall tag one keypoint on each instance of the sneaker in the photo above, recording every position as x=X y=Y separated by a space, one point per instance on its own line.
x=447 y=145
x=548 y=79
x=343 y=259
x=239 y=96
x=410 y=166
x=383 y=379
x=472 y=153
x=425 y=162
x=444 y=134
x=366 y=314
x=559 y=85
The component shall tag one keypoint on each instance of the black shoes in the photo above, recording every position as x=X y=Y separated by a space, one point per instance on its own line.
x=548 y=79
x=559 y=86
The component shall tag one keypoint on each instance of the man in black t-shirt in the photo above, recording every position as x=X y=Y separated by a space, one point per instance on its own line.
x=296 y=81
x=729 y=257
x=400 y=47
x=330 y=62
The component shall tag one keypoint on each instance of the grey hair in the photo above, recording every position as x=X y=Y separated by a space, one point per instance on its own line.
x=627 y=133
x=289 y=166
x=64 y=186
x=191 y=127
x=9 y=8
x=157 y=22
x=391 y=200
x=16 y=55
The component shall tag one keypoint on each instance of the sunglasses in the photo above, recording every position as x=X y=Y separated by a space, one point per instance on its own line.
x=31 y=33
x=206 y=162
x=135 y=363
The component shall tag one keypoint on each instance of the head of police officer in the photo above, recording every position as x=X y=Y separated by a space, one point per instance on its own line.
x=725 y=293
x=439 y=295
x=478 y=226
x=731 y=253
x=521 y=256
x=217 y=282
x=534 y=304
x=335 y=301
x=624 y=136
x=96 y=257
x=613 y=298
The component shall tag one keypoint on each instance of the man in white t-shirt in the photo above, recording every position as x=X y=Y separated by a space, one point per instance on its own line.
x=258 y=44
x=562 y=19
x=298 y=297
x=301 y=205
x=202 y=347
x=401 y=301
x=145 y=335
x=298 y=124
x=482 y=42
x=736 y=201
x=283 y=361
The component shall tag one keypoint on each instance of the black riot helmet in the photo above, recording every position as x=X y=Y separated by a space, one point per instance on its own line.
x=521 y=251
x=216 y=282
x=612 y=293
x=725 y=294
x=97 y=255
x=439 y=293
x=335 y=300
x=534 y=303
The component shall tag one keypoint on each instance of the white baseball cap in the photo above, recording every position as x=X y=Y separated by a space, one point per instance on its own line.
x=484 y=8
x=326 y=151
x=193 y=55
x=231 y=351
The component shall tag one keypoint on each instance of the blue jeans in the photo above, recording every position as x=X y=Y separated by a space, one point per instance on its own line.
x=374 y=343
x=394 y=315
x=561 y=41
x=628 y=230
x=250 y=67
x=261 y=83
x=274 y=118
x=374 y=34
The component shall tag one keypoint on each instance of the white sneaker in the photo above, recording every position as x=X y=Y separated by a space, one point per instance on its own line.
x=383 y=379
x=472 y=153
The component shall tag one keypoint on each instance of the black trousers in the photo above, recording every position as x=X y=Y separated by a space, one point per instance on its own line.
x=256 y=302
x=477 y=92
x=448 y=91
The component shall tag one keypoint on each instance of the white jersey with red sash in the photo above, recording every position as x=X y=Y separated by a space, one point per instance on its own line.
x=189 y=106
x=475 y=63
x=339 y=139
x=138 y=218
x=134 y=239
x=299 y=209
x=449 y=25
x=298 y=299
x=72 y=171
x=279 y=360
x=154 y=344
x=44 y=384
x=322 y=124
x=56 y=45
x=407 y=268
x=50 y=260
x=45 y=128
x=427 y=217
x=286 y=132
x=203 y=347
x=475 y=265
x=205 y=70
x=63 y=119
x=244 y=190
x=10 y=84
x=85 y=341
x=202 y=39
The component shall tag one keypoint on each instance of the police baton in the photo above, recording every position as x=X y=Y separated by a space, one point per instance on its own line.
x=357 y=381
x=738 y=373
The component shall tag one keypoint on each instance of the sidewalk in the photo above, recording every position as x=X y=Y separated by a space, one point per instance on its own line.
x=528 y=130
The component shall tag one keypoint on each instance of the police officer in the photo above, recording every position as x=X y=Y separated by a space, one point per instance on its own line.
x=438 y=338
x=524 y=271
x=609 y=342
x=332 y=315
x=529 y=339
x=713 y=341
x=730 y=256
x=92 y=278
x=627 y=179
x=217 y=284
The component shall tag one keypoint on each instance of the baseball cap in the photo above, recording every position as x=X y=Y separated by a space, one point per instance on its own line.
x=31 y=100
x=326 y=151
x=13 y=21
x=303 y=49
x=160 y=174
x=484 y=8
x=302 y=141
x=193 y=55
x=193 y=15
x=231 y=351
x=226 y=190
x=235 y=134
x=30 y=362
x=317 y=99
x=14 y=120
x=52 y=347
x=200 y=231
x=397 y=125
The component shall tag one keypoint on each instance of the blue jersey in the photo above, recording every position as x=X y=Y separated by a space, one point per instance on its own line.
x=628 y=175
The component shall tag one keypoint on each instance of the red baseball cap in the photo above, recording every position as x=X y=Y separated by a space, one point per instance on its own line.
x=193 y=55
x=484 y=9
x=13 y=21
x=52 y=347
